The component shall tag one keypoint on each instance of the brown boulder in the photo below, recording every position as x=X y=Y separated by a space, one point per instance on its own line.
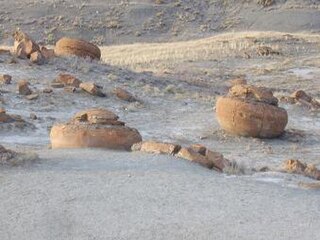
x=199 y=149
x=94 y=128
x=68 y=80
x=24 y=45
x=23 y=87
x=191 y=155
x=301 y=95
x=92 y=88
x=37 y=58
x=77 y=47
x=5 y=79
x=252 y=119
x=156 y=147
x=219 y=162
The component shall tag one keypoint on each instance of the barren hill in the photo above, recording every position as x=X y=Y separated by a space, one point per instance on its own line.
x=113 y=21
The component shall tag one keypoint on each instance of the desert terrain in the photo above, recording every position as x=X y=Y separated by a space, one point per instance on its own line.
x=176 y=58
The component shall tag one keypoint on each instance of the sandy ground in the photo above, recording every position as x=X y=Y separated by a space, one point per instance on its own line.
x=99 y=194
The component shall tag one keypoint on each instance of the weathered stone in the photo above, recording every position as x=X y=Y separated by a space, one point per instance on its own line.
x=301 y=95
x=199 y=149
x=219 y=162
x=32 y=96
x=5 y=118
x=6 y=155
x=293 y=166
x=96 y=116
x=92 y=88
x=69 y=89
x=124 y=95
x=77 y=47
x=24 y=46
x=47 y=53
x=37 y=58
x=250 y=119
x=191 y=155
x=156 y=147
x=5 y=79
x=23 y=88
x=257 y=94
x=312 y=171
x=68 y=80
x=96 y=136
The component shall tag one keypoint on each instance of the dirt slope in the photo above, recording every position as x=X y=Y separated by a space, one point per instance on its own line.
x=113 y=22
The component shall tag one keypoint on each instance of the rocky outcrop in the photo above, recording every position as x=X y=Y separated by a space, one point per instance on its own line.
x=297 y=167
x=77 y=47
x=94 y=128
x=252 y=112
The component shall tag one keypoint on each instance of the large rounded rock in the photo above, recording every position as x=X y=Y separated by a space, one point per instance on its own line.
x=93 y=136
x=94 y=128
x=249 y=118
x=77 y=47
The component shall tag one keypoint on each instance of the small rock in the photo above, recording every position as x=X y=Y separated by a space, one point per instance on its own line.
x=23 y=87
x=92 y=89
x=32 y=96
x=293 y=166
x=156 y=147
x=24 y=45
x=69 y=89
x=37 y=58
x=199 y=149
x=124 y=95
x=68 y=80
x=191 y=155
x=5 y=79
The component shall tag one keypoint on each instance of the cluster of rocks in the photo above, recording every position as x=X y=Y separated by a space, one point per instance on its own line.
x=94 y=128
x=26 y=48
x=297 y=167
x=302 y=98
x=195 y=153
x=251 y=111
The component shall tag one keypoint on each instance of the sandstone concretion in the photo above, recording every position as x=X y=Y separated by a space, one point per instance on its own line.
x=252 y=112
x=77 y=47
x=94 y=128
x=156 y=147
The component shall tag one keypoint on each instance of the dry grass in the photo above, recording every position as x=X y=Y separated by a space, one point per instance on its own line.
x=152 y=55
